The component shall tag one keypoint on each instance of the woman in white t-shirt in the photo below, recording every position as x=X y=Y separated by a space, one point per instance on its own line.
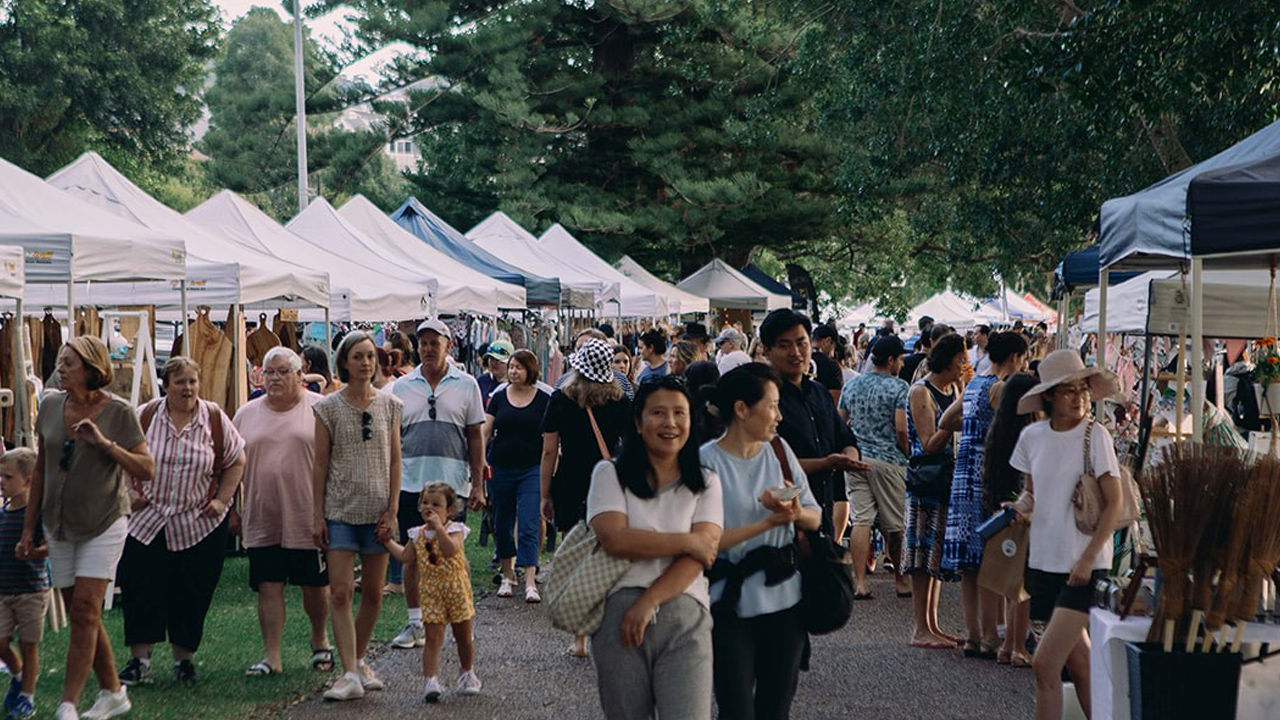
x=1064 y=563
x=658 y=507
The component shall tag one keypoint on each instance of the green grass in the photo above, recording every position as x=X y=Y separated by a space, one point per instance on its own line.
x=231 y=644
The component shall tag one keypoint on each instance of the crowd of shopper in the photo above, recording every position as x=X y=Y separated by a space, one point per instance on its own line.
x=696 y=460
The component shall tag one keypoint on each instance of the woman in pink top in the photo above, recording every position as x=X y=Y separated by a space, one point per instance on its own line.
x=279 y=432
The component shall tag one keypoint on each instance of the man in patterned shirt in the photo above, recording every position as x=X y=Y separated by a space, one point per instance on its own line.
x=875 y=406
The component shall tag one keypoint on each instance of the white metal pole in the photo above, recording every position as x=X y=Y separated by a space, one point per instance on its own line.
x=71 y=308
x=1104 y=279
x=186 y=327
x=1197 y=349
x=1064 y=307
x=21 y=415
x=300 y=100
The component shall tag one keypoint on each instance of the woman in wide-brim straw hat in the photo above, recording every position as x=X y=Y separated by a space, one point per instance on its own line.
x=1064 y=563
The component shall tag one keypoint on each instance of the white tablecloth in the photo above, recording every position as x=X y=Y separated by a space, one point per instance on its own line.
x=1109 y=671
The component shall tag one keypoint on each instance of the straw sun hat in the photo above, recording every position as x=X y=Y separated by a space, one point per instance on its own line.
x=1065 y=366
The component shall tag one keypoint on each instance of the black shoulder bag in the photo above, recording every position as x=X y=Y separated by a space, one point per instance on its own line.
x=826 y=576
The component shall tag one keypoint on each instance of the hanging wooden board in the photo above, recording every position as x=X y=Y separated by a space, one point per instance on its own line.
x=260 y=341
x=286 y=329
x=212 y=350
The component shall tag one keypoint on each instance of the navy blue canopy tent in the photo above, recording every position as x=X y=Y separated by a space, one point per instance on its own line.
x=1236 y=209
x=761 y=278
x=1146 y=230
x=428 y=227
x=1080 y=270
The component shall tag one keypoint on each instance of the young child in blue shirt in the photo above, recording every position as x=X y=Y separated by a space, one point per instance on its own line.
x=24 y=587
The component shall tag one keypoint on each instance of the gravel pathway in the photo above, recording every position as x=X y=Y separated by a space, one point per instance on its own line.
x=865 y=671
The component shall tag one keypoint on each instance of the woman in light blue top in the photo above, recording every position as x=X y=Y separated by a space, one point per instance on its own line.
x=758 y=637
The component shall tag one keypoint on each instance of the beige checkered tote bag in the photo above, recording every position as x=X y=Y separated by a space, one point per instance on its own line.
x=582 y=573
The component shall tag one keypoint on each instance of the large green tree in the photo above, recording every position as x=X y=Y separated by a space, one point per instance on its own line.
x=980 y=139
x=671 y=130
x=119 y=76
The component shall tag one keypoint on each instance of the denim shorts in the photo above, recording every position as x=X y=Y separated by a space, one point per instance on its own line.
x=354 y=538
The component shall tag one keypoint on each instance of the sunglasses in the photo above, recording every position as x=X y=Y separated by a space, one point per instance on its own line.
x=666 y=382
x=68 y=448
x=431 y=412
x=366 y=425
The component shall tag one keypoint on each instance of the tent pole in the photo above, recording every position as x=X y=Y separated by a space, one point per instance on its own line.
x=1064 y=307
x=71 y=308
x=186 y=329
x=21 y=415
x=328 y=332
x=1104 y=280
x=1197 y=349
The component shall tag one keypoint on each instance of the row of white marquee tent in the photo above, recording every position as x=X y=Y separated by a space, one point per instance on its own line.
x=957 y=310
x=92 y=238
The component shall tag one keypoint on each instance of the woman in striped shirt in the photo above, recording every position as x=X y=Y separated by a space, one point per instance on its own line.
x=178 y=532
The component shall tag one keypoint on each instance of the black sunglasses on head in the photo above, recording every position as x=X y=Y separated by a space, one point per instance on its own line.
x=666 y=382
x=366 y=425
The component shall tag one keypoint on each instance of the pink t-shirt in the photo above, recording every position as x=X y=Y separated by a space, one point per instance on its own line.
x=279 y=456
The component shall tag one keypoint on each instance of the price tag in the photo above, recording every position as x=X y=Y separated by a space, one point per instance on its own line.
x=288 y=315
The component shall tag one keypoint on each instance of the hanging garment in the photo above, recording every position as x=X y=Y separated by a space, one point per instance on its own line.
x=259 y=342
x=50 y=343
x=87 y=322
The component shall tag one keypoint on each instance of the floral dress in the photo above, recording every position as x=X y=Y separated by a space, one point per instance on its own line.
x=926 y=519
x=962 y=547
x=444 y=582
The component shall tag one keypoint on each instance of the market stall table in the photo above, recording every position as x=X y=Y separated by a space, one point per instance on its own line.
x=1109 y=673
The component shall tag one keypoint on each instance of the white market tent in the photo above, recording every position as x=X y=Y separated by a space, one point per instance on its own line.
x=322 y=227
x=219 y=271
x=1017 y=306
x=460 y=286
x=67 y=240
x=636 y=299
x=678 y=300
x=866 y=313
x=1159 y=302
x=950 y=309
x=727 y=288
x=357 y=293
x=500 y=235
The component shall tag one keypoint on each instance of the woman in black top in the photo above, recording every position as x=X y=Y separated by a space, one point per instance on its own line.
x=570 y=450
x=511 y=426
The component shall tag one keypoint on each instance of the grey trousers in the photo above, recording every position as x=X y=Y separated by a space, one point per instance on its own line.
x=669 y=676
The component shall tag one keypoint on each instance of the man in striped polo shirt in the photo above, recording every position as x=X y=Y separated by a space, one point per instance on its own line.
x=440 y=442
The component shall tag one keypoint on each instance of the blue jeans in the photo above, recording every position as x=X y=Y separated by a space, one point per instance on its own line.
x=354 y=538
x=516 y=496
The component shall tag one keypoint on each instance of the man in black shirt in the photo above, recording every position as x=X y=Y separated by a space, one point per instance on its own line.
x=825 y=338
x=810 y=424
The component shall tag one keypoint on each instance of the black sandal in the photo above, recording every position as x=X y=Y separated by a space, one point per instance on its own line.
x=322 y=659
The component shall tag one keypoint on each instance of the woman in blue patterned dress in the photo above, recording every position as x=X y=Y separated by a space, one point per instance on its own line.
x=926 y=518
x=962 y=546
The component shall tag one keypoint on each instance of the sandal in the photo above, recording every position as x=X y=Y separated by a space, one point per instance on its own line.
x=322 y=659
x=1019 y=660
x=261 y=669
x=1003 y=657
x=574 y=653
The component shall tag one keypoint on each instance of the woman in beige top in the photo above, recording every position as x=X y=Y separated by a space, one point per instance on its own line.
x=356 y=489
x=87 y=440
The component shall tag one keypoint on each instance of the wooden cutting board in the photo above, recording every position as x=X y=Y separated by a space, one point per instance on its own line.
x=260 y=341
x=212 y=349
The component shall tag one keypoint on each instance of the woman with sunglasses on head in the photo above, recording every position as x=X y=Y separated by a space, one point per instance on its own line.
x=87 y=441
x=759 y=638
x=659 y=508
x=178 y=533
x=1063 y=563
x=357 y=487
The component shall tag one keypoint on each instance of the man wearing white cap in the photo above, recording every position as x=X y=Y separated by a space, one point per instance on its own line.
x=731 y=347
x=441 y=441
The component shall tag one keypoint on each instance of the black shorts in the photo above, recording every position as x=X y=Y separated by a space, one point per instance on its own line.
x=306 y=568
x=1050 y=590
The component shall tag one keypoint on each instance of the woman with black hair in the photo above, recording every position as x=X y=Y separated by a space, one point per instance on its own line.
x=1001 y=484
x=759 y=638
x=702 y=375
x=658 y=507
x=315 y=371
x=926 y=517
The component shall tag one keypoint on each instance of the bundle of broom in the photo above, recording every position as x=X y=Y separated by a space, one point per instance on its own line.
x=1189 y=498
x=1261 y=523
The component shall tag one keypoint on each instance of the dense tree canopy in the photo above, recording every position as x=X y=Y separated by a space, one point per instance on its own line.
x=120 y=77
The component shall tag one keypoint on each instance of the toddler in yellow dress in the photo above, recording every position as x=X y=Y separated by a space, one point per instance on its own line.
x=445 y=583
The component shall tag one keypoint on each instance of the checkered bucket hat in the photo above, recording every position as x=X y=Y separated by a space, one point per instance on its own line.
x=594 y=361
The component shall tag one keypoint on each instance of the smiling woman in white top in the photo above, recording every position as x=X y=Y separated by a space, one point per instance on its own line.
x=758 y=638
x=1064 y=563
x=658 y=507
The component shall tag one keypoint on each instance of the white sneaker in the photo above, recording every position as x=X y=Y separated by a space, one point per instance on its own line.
x=469 y=683
x=413 y=635
x=66 y=711
x=531 y=595
x=348 y=687
x=367 y=679
x=109 y=705
x=431 y=690
x=504 y=590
